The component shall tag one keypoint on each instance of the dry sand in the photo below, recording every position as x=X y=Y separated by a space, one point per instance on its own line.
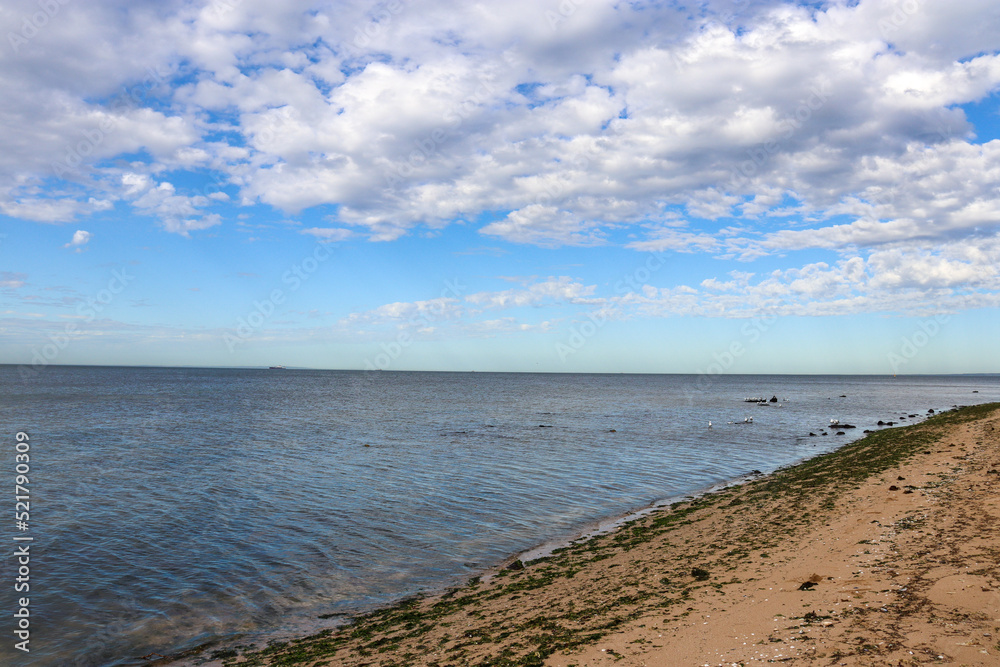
x=901 y=579
x=895 y=537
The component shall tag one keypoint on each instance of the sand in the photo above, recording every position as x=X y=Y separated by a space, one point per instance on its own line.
x=885 y=552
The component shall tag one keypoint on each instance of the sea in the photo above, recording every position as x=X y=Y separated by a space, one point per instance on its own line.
x=176 y=508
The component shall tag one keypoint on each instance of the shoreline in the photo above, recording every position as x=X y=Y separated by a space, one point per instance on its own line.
x=611 y=524
x=554 y=609
x=608 y=525
x=195 y=657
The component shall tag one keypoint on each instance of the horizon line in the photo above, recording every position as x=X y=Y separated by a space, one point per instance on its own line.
x=511 y=372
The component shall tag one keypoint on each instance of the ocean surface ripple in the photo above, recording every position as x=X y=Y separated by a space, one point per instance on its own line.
x=173 y=508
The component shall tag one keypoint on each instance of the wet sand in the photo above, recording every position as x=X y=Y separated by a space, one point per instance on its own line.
x=885 y=552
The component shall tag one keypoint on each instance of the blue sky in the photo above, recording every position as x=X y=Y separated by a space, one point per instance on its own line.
x=534 y=186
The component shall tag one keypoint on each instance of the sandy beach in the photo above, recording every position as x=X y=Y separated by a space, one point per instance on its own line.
x=884 y=552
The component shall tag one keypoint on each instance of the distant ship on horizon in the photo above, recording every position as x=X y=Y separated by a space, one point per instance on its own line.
x=276 y=368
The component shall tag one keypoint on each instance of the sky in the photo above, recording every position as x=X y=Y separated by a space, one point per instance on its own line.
x=533 y=185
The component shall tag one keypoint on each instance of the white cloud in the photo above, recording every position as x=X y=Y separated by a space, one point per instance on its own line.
x=544 y=225
x=176 y=212
x=328 y=234
x=464 y=312
x=905 y=278
x=672 y=239
x=11 y=280
x=408 y=314
x=908 y=277
x=552 y=290
x=42 y=210
x=835 y=128
x=80 y=239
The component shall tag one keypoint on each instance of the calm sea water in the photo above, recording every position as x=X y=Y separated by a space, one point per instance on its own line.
x=176 y=507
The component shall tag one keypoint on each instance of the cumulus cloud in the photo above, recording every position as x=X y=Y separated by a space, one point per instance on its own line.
x=543 y=225
x=80 y=239
x=42 y=209
x=178 y=213
x=680 y=241
x=837 y=127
